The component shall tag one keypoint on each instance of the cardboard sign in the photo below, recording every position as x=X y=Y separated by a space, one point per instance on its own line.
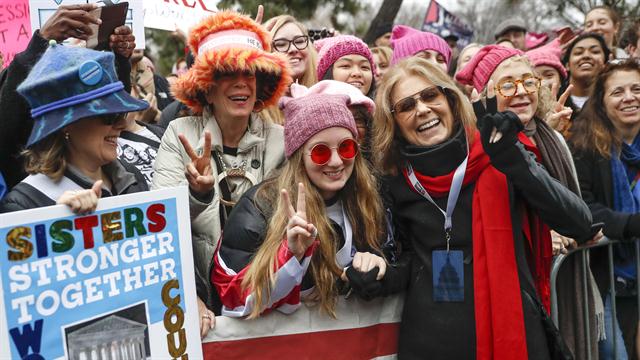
x=41 y=10
x=15 y=29
x=176 y=14
x=117 y=283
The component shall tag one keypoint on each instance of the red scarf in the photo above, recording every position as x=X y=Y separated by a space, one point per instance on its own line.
x=500 y=332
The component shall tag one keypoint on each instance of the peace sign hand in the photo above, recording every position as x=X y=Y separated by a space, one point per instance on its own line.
x=560 y=116
x=300 y=233
x=198 y=171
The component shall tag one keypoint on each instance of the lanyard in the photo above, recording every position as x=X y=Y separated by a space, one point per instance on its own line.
x=456 y=186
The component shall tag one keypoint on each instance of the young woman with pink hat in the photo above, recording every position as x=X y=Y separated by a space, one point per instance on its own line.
x=276 y=253
x=234 y=76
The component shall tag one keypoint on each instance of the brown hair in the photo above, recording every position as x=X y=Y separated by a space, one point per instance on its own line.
x=47 y=156
x=593 y=130
x=386 y=135
x=362 y=206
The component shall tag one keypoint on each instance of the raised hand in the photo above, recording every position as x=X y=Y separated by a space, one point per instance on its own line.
x=260 y=14
x=560 y=116
x=300 y=233
x=498 y=130
x=82 y=201
x=198 y=172
x=70 y=21
x=122 y=41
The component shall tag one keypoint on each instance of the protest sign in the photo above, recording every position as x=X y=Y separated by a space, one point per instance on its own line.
x=117 y=283
x=361 y=330
x=443 y=23
x=15 y=29
x=176 y=14
x=41 y=10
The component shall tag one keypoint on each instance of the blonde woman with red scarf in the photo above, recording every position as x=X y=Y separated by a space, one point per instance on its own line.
x=466 y=204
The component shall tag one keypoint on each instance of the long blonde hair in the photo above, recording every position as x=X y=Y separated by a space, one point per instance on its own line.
x=308 y=79
x=386 y=135
x=362 y=206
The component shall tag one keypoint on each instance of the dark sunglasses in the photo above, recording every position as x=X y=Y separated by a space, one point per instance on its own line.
x=300 y=42
x=321 y=153
x=112 y=118
x=430 y=96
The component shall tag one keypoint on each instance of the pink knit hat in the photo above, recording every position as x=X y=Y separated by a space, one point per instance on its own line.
x=333 y=48
x=308 y=115
x=478 y=71
x=407 y=41
x=333 y=87
x=549 y=55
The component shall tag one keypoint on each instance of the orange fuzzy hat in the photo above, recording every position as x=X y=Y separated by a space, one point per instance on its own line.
x=229 y=42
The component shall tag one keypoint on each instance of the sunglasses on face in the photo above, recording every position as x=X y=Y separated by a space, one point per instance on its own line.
x=321 y=153
x=509 y=88
x=430 y=96
x=300 y=42
x=112 y=118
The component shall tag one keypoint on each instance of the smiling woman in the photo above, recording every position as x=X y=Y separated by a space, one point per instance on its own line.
x=346 y=58
x=235 y=75
x=79 y=115
x=449 y=187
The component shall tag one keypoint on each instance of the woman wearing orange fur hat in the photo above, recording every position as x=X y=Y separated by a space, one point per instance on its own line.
x=226 y=148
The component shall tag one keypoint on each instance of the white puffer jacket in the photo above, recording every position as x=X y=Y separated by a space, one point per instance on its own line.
x=262 y=147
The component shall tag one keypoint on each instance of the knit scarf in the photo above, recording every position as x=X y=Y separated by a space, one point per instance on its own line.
x=626 y=197
x=500 y=331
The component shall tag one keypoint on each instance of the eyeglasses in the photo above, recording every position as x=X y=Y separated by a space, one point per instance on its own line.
x=509 y=88
x=431 y=96
x=321 y=153
x=300 y=42
x=111 y=119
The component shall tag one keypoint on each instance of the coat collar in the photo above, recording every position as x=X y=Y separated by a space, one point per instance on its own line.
x=252 y=137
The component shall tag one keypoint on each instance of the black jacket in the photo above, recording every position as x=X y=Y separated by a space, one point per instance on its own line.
x=447 y=330
x=16 y=121
x=596 y=185
x=126 y=180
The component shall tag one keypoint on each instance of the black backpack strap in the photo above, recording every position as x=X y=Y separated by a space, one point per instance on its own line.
x=225 y=193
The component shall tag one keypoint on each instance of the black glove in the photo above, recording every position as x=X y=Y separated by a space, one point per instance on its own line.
x=506 y=123
x=364 y=285
x=633 y=226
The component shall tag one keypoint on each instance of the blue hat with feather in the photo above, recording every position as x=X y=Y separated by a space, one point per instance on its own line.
x=69 y=84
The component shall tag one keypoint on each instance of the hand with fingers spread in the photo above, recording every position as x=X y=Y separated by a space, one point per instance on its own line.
x=82 y=201
x=498 y=130
x=70 y=21
x=198 y=172
x=260 y=14
x=560 y=116
x=122 y=41
x=300 y=233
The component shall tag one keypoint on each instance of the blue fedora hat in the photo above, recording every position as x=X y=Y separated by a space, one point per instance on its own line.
x=68 y=84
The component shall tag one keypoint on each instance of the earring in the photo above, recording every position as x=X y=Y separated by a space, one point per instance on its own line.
x=66 y=136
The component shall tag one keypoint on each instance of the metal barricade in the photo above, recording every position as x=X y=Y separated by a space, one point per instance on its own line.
x=583 y=251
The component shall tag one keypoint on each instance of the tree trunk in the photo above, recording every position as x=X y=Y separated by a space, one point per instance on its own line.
x=387 y=14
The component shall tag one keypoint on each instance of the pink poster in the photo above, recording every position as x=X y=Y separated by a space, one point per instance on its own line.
x=15 y=29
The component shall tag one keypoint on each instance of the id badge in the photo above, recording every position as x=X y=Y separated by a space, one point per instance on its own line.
x=448 y=275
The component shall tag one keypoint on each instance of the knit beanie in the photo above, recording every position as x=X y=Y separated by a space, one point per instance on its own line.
x=407 y=41
x=478 y=71
x=333 y=87
x=308 y=115
x=333 y=48
x=549 y=55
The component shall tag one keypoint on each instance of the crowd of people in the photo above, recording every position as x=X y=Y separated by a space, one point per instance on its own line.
x=323 y=167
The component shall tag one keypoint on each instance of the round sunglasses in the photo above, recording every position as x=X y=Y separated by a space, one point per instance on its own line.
x=321 y=153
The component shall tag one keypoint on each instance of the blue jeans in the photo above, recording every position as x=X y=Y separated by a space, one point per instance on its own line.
x=606 y=346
